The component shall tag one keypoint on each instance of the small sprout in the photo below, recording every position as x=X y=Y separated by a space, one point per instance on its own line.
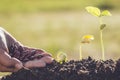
x=98 y=13
x=61 y=57
x=85 y=39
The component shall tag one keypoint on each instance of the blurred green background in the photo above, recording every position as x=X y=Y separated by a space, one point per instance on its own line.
x=58 y=25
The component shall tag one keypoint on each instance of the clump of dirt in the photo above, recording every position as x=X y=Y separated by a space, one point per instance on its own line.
x=86 y=69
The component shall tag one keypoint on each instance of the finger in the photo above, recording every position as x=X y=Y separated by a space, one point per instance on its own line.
x=39 y=63
x=35 y=63
x=17 y=63
x=18 y=66
x=47 y=59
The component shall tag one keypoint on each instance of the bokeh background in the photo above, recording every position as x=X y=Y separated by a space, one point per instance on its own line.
x=58 y=25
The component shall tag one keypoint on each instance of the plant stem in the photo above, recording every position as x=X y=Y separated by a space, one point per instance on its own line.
x=101 y=40
x=102 y=45
x=80 y=53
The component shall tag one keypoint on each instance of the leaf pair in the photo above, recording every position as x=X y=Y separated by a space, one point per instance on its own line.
x=96 y=11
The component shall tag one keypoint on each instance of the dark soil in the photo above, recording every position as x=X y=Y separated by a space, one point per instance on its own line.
x=86 y=69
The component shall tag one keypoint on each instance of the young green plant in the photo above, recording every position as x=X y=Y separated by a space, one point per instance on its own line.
x=85 y=39
x=61 y=57
x=98 y=13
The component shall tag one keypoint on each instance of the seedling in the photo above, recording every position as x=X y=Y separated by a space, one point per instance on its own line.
x=85 y=39
x=98 y=13
x=61 y=57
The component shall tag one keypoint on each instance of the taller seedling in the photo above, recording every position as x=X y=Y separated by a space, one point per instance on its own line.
x=85 y=39
x=98 y=13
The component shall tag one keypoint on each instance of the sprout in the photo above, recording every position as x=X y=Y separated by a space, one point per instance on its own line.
x=85 y=39
x=61 y=57
x=98 y=13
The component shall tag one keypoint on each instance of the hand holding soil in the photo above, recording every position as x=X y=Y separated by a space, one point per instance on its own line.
x=14 y=56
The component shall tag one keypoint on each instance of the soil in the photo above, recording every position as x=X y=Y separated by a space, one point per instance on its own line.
x=86 y=69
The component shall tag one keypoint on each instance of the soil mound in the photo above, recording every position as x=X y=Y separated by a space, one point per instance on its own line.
x=86 y=69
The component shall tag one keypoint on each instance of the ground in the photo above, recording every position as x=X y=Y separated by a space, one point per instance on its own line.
x=85 y=69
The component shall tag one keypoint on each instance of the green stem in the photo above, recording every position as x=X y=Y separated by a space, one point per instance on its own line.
x=80 y=54
x=101 y=40
x=102 y=45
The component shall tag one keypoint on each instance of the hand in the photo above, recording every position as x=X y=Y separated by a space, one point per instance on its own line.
x=39 y=62
x=8 y=63
x=16 y=65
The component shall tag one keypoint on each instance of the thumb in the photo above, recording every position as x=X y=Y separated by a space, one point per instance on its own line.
x=17 y=64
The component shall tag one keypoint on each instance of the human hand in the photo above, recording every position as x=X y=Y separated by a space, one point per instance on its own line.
x=8 y=63
x=14 y=66
x=39 y=62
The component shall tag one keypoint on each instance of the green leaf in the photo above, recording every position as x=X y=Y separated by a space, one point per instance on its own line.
x=106 y=13
x=102 y=26
x=93 y=10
